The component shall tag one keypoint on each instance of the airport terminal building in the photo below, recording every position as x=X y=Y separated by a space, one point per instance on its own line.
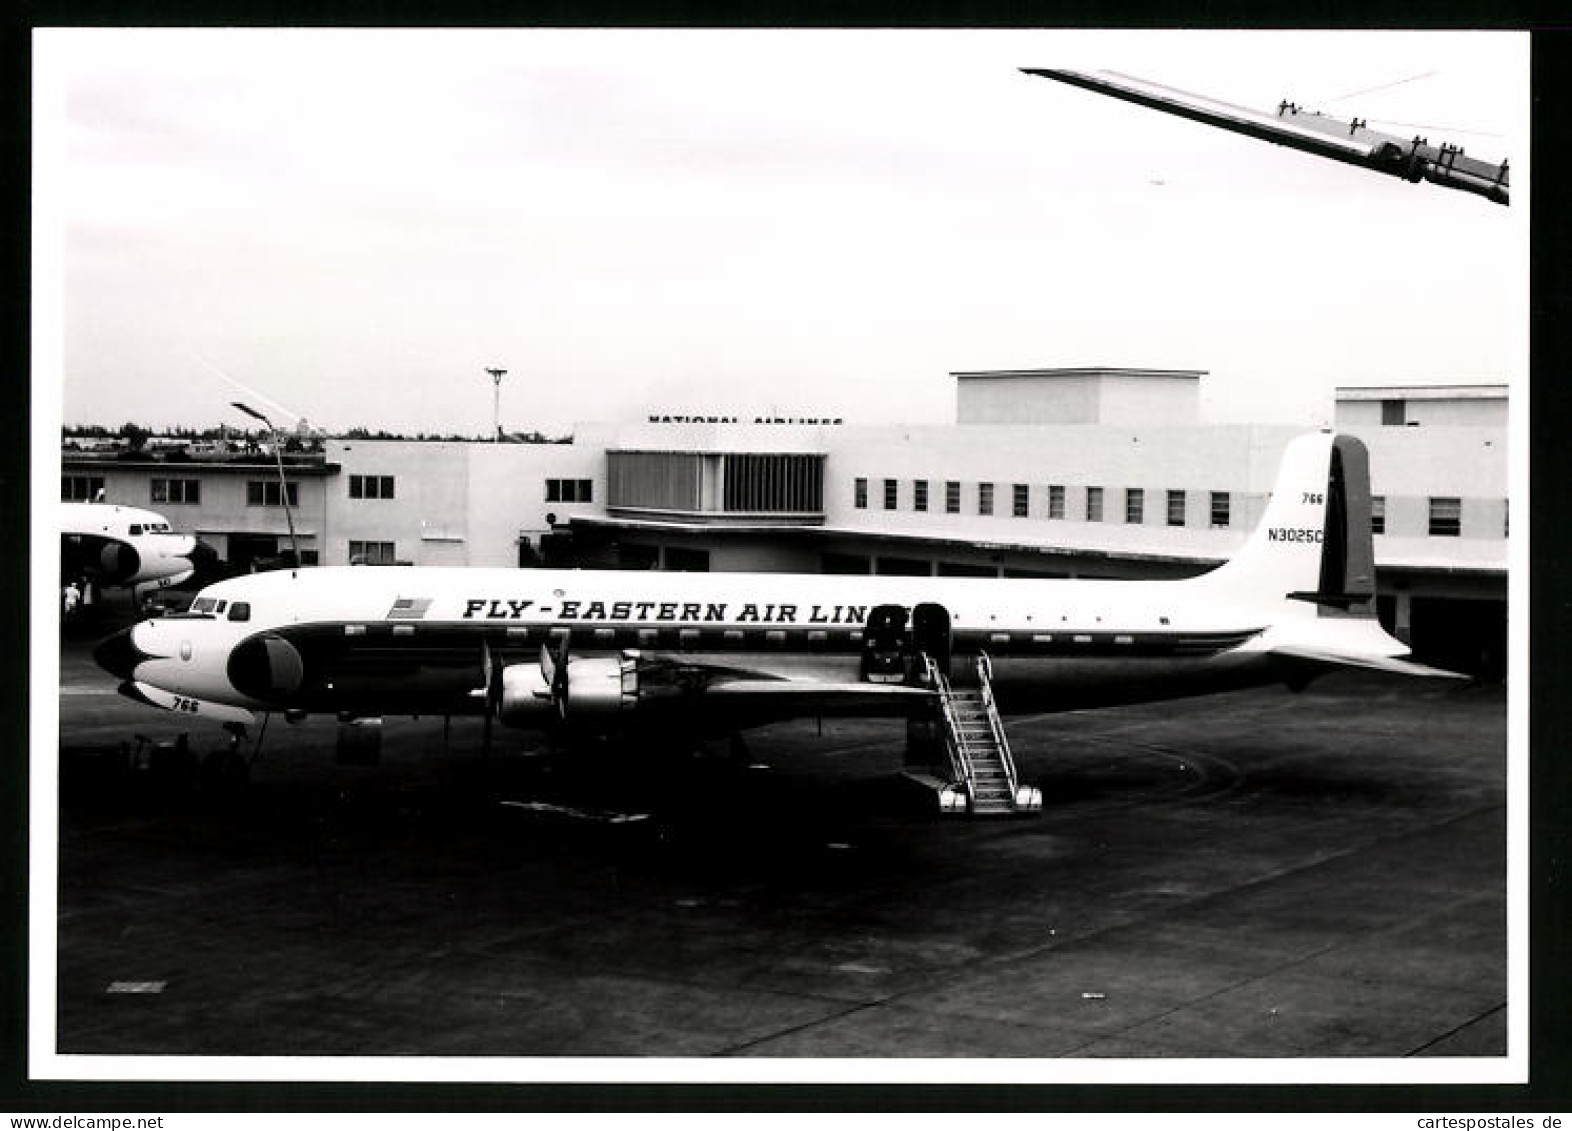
x=1091 y=472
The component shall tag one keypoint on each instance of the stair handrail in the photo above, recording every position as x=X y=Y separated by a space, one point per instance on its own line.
x=960 y=761
x=1002 y=743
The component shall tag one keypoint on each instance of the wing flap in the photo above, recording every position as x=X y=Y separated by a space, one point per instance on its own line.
x=754 y=698
x=788 y=687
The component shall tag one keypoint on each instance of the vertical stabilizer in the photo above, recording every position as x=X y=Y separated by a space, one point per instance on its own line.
x=1313 y=546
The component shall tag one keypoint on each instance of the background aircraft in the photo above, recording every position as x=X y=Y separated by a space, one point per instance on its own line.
x=106 y=544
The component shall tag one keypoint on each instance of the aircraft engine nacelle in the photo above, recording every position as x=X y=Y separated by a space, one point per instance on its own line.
x=601 y=686
x=525 y=698
x=595 y=688
x=119 y=562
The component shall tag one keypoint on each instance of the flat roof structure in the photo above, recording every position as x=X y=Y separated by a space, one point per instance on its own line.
x=1421 y=392
x=1093 y=394
x=1078 y=371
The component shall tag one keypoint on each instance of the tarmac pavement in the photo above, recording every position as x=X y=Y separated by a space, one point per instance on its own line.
x=1256 y=874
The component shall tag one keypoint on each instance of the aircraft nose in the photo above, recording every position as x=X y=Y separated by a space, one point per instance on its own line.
x=118 y=655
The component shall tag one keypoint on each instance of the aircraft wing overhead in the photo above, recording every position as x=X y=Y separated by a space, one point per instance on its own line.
x=1350 y=141
x=777 y=687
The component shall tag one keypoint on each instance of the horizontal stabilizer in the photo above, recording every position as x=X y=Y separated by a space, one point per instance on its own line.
x=1364 y=660
x=1334 y=600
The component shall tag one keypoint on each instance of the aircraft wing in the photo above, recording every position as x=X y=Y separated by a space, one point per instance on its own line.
x=806 y=697
x=1350 y=141
x=760 y=689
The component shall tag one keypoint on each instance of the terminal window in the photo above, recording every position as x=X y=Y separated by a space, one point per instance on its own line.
x=985 y=498
x=370 y=553
x=1220 y=508
x=1020 y=501
x=952 y=497
x=80 y=488
x=772 y=483
x=920 y=494
x=570 y=491
x=1094 y=504
x=371 y=486
x=891 y=494
x=1176 y=508
x=860 y=494
x=267 y=493
x=1134 y=505
x=1446 y=517
x=176 y=490
x=1378 y=514
x=1055 y=501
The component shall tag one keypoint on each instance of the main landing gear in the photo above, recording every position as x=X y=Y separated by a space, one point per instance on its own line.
x=226 y=770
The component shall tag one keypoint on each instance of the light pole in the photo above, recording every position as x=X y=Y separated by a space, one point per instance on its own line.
x=496 y=403
x=283 y=484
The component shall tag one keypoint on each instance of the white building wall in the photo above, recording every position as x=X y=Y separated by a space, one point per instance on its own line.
x=428 y=493
x=469 y=503
x=1409 y=466
x=1358 y=414
x=1239 y=459
x=507 y=494
x=1070 y=396
x=1449 y=413
x=1484 y=406
x=1463 y=461
x=1129 y=399
x=1066 y=398
x=455 y=503
x=223 y=508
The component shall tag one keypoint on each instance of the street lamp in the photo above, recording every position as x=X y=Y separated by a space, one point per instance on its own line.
x=283 y=484
x=496 y=403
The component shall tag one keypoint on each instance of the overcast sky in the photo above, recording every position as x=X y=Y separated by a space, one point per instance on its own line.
x=355 y=224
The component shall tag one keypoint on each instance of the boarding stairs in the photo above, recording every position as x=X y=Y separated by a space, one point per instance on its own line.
x=983 y=773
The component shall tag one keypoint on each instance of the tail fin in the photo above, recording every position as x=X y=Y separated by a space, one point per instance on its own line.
x=1313 y=546
x=1310 y=565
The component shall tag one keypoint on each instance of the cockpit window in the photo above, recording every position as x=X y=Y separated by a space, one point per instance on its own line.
x=202 y=605
x=220 y=606
x=136 y=529
x=240 y=610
